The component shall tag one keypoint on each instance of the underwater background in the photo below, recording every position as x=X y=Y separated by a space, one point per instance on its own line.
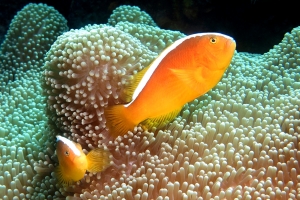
x=256 y=24
x=240 y=140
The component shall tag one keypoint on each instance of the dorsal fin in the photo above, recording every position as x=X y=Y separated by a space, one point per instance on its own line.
x=78 y=146
x=130 y=87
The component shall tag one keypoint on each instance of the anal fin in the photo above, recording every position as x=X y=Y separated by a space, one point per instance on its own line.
x=161 y=121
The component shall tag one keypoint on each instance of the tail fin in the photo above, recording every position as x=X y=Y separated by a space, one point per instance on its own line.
x=118 y=120
x=98 y=160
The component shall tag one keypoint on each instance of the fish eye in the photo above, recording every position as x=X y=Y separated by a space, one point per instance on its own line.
x=67 y=153
x=213 y=40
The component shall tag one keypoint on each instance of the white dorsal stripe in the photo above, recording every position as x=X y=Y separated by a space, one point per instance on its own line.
x=69 y=143
x=157 y=61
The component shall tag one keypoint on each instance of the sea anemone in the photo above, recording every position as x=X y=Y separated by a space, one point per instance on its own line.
x=237 y=141
x=85 y=71
x=22 y=116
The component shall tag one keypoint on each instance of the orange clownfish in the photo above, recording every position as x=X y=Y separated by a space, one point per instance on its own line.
x=187 y=69
x=73 y=163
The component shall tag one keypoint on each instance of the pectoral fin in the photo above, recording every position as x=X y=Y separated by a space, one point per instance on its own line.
x=189 y=77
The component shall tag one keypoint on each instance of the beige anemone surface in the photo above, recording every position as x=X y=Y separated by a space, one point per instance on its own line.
x=240 y=140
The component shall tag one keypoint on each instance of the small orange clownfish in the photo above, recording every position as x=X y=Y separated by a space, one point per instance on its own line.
x=73 y=163
x=187 y=69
